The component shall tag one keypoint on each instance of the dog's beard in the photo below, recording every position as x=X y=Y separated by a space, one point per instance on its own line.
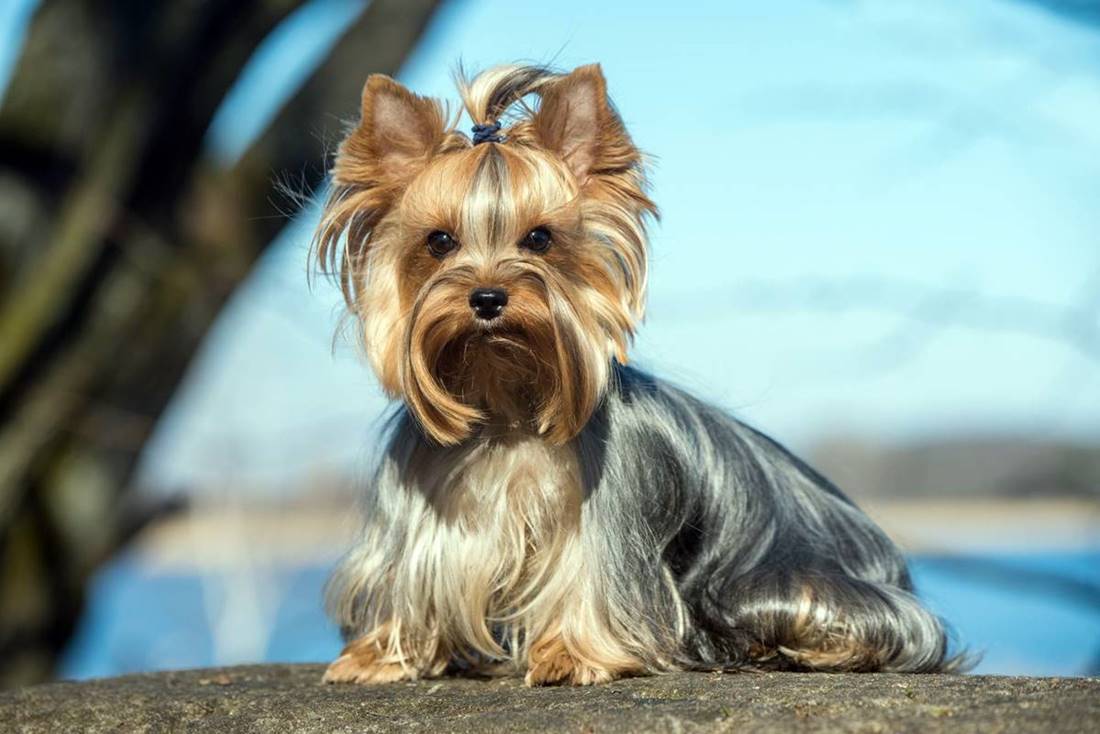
x=540 y=366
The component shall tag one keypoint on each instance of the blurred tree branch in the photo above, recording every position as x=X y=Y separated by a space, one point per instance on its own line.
x=122 y=244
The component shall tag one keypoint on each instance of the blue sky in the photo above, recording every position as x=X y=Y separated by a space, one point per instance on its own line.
x=879 y=219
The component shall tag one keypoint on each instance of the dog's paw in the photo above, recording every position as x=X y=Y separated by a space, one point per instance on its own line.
x=551 y=663
x=362 y=662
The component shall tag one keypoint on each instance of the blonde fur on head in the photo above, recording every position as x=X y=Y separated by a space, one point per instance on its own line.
x=568 y=166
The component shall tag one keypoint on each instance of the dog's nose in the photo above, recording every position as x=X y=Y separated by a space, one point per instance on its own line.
x=488 y=303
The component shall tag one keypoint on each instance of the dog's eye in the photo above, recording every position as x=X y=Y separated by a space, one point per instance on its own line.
x=440 y=243
x=537 y=240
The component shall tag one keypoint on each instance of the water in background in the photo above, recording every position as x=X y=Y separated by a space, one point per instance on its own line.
x=1027 y=614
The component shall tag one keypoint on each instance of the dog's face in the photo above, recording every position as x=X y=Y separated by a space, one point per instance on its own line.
x=494 y=282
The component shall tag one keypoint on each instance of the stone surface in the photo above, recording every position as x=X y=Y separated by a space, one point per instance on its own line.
x=290 y=698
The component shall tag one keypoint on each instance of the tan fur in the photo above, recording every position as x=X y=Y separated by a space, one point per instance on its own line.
x=818 y=639
x=552 y=661
x=376 y=658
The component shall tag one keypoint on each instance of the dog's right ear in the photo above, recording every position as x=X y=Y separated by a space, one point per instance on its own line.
x=397 y=133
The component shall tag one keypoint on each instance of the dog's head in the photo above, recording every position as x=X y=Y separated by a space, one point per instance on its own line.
x=494 y=279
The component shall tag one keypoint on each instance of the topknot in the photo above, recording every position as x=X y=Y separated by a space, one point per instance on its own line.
x=488 y=96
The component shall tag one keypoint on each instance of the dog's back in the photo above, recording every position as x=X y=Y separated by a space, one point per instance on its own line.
x=777 y=568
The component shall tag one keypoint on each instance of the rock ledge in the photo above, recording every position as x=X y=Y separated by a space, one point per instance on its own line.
x=290 y=698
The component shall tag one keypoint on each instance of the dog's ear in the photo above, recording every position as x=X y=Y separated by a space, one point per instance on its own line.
x=576 y=121
x=397 y=133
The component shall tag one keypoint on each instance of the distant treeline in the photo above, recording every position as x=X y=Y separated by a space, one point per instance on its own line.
x=970 y=467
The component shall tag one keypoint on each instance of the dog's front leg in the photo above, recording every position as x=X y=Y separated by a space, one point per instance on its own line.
x=383 y=656
x=556 y=659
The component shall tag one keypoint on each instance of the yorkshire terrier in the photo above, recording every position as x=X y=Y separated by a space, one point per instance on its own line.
x=541 y=507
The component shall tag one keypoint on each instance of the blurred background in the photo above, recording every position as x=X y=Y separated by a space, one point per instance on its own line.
x=880 y=244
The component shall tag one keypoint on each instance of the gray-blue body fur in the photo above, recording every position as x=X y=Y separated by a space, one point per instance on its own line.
x=748 y=531
x=716 y=547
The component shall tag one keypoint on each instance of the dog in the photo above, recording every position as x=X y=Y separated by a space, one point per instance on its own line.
x=541 y=507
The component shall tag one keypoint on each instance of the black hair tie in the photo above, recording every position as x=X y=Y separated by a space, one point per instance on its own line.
x=487 y=133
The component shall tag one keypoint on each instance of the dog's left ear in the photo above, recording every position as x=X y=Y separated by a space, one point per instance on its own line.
x=397 y=133
x=576 y=121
